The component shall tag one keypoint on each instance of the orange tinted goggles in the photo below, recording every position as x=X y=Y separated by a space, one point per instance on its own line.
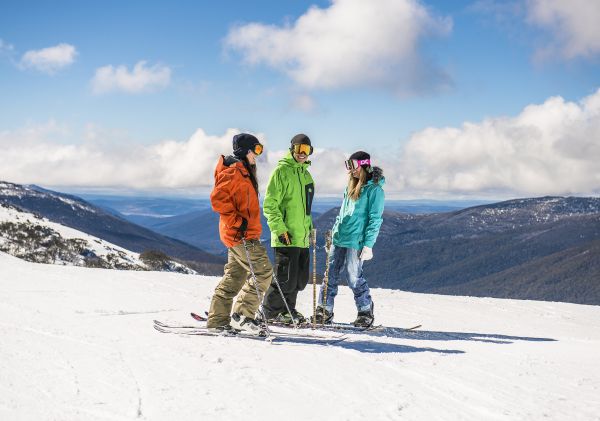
x=257 y=149
x=302 y=149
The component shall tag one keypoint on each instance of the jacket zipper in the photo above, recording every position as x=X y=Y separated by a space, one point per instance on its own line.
x=303 y=192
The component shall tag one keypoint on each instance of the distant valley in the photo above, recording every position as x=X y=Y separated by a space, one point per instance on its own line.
x=545 y=248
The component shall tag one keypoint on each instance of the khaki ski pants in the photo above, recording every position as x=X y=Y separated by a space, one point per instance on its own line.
x=237 y=277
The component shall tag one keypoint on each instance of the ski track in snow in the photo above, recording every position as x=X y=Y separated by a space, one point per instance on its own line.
x=78 y=344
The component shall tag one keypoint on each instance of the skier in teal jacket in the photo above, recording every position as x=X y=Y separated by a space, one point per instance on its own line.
x=287 y=207
x=353 y=236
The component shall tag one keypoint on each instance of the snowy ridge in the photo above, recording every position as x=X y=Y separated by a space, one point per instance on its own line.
x=37 y=239
x=78 y=343
x=523 y=212
x=21 y=191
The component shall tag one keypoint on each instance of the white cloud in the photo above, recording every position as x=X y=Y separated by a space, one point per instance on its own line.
x=305 y=103
x=5 y=47
x=352 y=43
x=141 y=79
x=108 y=159
x=50 y=60
x=551 y=148
x=573 y=25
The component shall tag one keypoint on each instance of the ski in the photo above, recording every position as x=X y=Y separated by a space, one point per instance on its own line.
x=279 y=336
x=331 y=326
x=200 y=331
x=199 y=318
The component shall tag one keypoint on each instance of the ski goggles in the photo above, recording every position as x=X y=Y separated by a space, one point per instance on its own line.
x=352 y=164
x=257 y=149
x=302 y=148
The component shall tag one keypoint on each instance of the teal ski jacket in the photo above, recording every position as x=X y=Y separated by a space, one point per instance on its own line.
x=288 y=202
x=358 y=222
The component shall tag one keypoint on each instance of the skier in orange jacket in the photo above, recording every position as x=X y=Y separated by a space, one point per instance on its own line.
x=235 y=198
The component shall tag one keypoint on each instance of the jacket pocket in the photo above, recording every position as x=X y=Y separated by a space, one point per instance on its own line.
x=309 y=192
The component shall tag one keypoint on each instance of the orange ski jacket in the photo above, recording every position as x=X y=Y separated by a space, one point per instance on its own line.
x=234 y=198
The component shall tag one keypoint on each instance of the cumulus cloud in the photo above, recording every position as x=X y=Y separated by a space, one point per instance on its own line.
x=352 y=43
x=573 y=25
x=549 y=148
x=36 y=155
x=141 y=79
x=49 y=60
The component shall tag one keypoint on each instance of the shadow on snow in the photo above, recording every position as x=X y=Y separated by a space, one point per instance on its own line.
x=375 y=346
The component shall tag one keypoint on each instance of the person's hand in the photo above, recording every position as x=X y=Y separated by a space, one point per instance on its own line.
x=285 y=238
x=242 y=229
x=366 y=253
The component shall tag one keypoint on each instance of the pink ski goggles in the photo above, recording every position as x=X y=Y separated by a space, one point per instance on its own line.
x=352 y=164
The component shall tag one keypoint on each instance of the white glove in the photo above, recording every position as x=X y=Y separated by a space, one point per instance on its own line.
x=366 y=253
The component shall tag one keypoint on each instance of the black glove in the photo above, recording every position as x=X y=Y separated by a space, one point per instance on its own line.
x=286 y=238
x=242 y=229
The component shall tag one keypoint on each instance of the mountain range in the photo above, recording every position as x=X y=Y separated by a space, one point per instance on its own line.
x=540 y=248
x=74 y=212
x=545 y=248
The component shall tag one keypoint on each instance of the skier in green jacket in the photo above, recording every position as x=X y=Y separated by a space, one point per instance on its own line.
x=354 y=233
x=287 y=207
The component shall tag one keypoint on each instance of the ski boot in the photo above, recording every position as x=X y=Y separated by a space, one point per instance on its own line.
x=246 y=325
x=365 y=318
x=225 y=329
x=323 y=316
x=286 y=318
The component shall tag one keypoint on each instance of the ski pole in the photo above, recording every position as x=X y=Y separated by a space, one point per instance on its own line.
x=260 y=309
x=262 y=313
x=314 y=243
x=284 y=300
x=326 y=275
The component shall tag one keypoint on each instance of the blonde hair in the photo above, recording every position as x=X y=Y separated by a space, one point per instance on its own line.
x=356 y=184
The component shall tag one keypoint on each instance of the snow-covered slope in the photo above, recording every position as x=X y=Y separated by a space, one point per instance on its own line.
x=78 y=344
x=33 y=238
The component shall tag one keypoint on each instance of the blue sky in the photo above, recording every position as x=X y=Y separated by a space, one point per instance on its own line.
x=452 y=99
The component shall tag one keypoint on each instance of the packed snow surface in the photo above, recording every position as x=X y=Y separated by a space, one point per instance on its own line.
x=79 y=344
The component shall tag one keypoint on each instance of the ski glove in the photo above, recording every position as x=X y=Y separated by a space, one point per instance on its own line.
x=366 y=253
x=242 y=229
x=285 y=238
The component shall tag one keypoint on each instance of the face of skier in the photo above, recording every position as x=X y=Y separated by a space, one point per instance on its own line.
x=300 y=157
x=251 y=157
x=355 y=172
x=300 y=152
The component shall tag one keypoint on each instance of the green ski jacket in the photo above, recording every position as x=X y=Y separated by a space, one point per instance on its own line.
x=288 y=202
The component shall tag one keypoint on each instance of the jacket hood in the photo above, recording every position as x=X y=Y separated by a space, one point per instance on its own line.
x=230 y=162
x=377 y=176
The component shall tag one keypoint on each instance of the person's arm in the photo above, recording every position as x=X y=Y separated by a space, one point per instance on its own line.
x=222 y=201
x=375 y=213
x=272 y=202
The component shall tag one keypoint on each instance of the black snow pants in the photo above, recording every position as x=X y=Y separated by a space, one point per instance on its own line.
x=292 y=272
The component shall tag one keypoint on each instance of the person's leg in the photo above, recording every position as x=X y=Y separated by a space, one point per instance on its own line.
x=247 y=302
x=273 y=303
x=337 y=257
x=230 y=285
x=299 y=273
x=356 y=281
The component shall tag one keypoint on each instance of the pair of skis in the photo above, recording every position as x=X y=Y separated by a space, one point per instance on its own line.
x=328 y=326
x=200 y=330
